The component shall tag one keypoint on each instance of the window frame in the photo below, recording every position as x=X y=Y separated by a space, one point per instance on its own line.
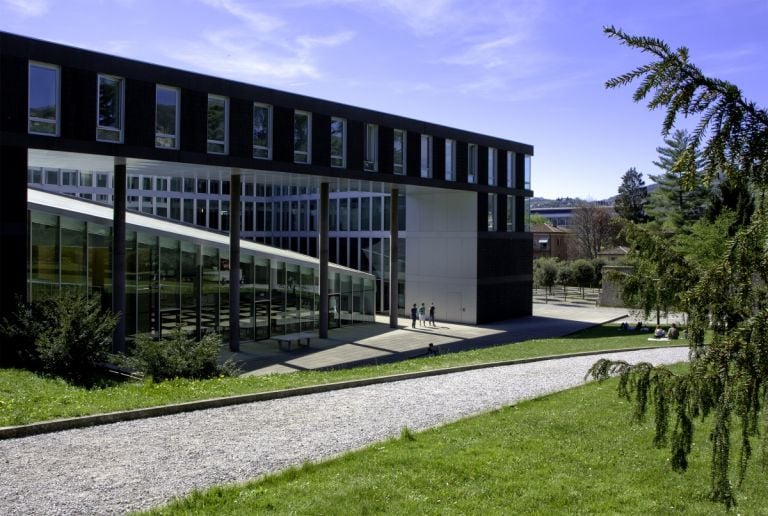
x=511 y=170
x=371 y=157
x=450 y=159
x=175 y=136
x=336 y=160
x=118 y=129
x=268 y=147
x=472 y=163
x=210 y=142
x=426 y=162
x=56 y=122
x=402 y=135
x=493 y=166
x=307 y=153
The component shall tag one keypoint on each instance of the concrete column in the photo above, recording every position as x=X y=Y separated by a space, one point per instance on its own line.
x=118 y=253
x=394 y=252
x=234 y=261
x=324 y=260
x=13 y=234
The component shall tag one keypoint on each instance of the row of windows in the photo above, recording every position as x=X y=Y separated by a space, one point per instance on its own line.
x=44 y=117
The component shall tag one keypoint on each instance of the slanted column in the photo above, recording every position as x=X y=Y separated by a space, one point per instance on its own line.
x=234 y=262
x=119 y=191
x=394 y=252
x=324 y=260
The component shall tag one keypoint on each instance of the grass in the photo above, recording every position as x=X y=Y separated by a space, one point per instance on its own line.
x=572 y=452
x=27 y=398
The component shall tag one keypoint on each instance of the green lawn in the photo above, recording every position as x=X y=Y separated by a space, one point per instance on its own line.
x=568 y=453
x=27 y=398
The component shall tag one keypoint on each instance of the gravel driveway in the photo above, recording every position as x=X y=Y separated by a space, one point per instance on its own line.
x=124 y=467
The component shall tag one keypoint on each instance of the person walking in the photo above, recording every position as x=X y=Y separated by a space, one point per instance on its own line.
x=422 y=314
x=414 y=315
x=432 y=316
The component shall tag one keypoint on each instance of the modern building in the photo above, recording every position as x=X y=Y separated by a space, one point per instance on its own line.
x=436 y=211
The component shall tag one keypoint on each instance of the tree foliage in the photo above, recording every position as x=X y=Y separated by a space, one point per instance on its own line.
x=727 y=378
x=632 y=198
x=674 y=203
x=593 y=228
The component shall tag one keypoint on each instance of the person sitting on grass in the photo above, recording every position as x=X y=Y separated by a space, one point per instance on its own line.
x=659 y=333
x=673 y=333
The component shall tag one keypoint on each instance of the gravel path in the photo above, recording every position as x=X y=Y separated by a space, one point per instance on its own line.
x=124 y=467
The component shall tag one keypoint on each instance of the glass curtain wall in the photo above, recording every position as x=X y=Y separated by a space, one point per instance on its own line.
x=172 y=281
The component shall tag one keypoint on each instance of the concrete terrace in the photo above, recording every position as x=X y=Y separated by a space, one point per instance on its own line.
x=377 y=343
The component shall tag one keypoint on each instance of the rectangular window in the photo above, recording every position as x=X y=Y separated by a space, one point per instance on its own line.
x=511 y=180
x=492 y=166
x=527 y=172
x=302 y=136
x=450 y=160
x=371 y=147
x=43 y=108
x=166 y=117
x=510 y=213
x=109 y=123
x=338 y=142
x=491 y=212
x=262 y=131
x=472 y=163
x=399 y=152
x=426 y=156
x=218 y=114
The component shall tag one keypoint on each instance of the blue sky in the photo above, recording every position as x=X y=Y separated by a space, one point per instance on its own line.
x=527 y=70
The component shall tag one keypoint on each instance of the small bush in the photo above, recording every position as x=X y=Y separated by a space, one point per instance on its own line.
x=180 y=356
x=67 y=336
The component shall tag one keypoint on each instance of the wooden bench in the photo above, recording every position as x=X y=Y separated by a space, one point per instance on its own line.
x=294 y=337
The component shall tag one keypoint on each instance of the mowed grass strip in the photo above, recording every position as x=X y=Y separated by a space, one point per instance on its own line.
x=27 y=398
x=572 y=452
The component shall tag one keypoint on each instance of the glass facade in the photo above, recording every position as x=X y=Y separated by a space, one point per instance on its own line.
x=166 y=117
x=178 y=280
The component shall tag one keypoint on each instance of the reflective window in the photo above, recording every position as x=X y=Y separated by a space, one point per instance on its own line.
x=399 y=152
x=511 y=180
x=302 y=134
x=450 y=160
x=262 y=131
x=109 y=124
x=218 y=112
x=492 y=212
x=166 y=117
x=510 y=213
x=371 y=147
x=338 y=142
x=472 y=163
x=43 y=109
x=492 y=165
x=527 y=172
x=426 y=156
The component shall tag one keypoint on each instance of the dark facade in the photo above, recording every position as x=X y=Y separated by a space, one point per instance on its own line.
x=381 y=151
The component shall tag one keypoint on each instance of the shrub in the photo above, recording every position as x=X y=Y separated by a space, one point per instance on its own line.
x=68 y=336
x=180 y=356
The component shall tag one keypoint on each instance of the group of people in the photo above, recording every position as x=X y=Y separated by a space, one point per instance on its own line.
x=672 y=333
x=420 y=313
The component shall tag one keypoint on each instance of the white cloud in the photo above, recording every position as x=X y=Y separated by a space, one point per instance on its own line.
x=254 y=19
x=29 y=8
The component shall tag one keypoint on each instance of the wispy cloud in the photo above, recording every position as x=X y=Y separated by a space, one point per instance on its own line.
x=254 y=19
x=30 y=8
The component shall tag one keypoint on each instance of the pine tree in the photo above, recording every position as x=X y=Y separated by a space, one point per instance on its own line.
x=630 y=203
x=675 y=203
x=727 y=378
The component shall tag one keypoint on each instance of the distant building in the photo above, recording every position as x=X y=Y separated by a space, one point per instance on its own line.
x=550 y=241
x=614 y=255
